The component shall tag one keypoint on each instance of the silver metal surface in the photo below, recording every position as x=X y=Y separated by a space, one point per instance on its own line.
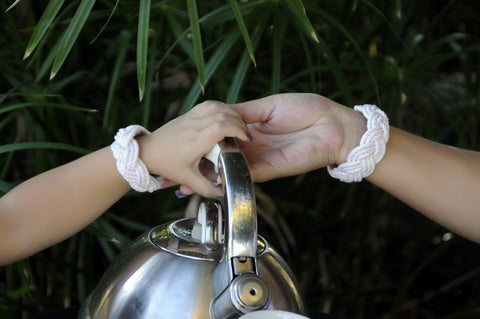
x=173 y=272
x=246 y=293
x=167 y=279
x=241 y=227
x=150 y=281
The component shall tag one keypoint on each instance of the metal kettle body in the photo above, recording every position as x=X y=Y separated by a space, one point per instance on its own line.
x=213 y=266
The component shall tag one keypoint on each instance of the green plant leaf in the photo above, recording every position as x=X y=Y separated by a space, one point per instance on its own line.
x=210 y=68
x=298 y=9
x=147 y=102
x=243 y=29
x=106 y=245
x=106 y=23
x=327 y=17
x=12 y=5
x=47 y=61
x=42 y=26
x=219 y=15
x=5 y=187
x=132 y=224
x=239 y=77
x=41 y=145
x=115 y=79
x=71 y=35
x=180 y=36
x=387 y=22
x=18 y=106
x=335 y=68
x=279 y=26
x=81 y=261
x=197 y=41
x=142 y=45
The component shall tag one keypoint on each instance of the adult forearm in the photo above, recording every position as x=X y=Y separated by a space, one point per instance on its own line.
x=439 y=181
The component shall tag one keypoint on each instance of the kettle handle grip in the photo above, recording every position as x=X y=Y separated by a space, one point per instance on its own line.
x=245 y=291
x=239 y=199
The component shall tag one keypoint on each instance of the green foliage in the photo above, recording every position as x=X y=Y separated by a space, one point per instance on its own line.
x=357 y=252
x=142 y=45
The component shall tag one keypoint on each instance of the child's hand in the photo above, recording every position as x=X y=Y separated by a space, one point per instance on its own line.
x=175 y=150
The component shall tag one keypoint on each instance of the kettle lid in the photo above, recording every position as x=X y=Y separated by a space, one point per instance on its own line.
x=192 y=238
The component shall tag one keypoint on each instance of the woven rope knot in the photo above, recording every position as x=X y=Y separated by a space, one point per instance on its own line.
x=361 y=161
x=126 y=151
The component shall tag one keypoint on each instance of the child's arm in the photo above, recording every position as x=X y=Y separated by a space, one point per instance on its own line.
x=52 y=206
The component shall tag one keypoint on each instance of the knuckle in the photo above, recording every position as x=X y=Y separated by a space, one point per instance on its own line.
x=217 y=127
x=212 y=105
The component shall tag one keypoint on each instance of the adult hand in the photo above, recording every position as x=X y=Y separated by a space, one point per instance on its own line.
x=297 y=132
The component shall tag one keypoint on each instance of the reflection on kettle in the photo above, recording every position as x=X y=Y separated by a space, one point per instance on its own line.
x=272 y=314
x=213 y=266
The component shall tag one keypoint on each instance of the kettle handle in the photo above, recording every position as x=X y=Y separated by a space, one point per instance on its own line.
x=244 y=290
x=239 y=199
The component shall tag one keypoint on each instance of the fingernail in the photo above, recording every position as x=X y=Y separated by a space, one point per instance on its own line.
x=179 y=194
x=218 y=181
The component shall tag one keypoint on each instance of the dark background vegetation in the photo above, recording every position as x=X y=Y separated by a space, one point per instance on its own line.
x=357 y=252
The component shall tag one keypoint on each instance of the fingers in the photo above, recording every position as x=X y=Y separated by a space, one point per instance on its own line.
x=188 y=138
x=204 y=181
x=218 y=121
x=203 y=186
x=259 y=110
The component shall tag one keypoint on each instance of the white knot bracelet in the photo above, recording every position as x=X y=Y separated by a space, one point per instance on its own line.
x=362 y=159
x=126 y=151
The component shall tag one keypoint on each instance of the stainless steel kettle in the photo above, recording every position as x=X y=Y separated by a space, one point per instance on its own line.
x=213 y=266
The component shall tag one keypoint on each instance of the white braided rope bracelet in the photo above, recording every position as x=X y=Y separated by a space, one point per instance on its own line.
x=362 y=159
x=126 y=151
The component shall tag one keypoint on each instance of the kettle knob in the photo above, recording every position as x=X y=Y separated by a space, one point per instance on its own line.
x=245 y=293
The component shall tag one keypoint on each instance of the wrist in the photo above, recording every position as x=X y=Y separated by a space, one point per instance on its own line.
x=354 y=125
x=362 y=159
x=145 y=144
x=126 y=151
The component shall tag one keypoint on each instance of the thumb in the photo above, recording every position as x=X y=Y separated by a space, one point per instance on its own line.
x=254 y=111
